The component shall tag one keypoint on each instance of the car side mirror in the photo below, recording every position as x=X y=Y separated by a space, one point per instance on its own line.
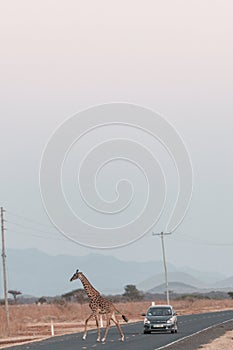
x=143 y=314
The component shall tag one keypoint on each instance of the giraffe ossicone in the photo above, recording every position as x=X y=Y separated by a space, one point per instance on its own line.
x=99 y=306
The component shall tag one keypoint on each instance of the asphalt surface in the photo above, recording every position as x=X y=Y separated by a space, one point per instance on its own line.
x=193 y=330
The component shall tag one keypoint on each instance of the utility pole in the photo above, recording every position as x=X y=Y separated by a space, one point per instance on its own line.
x=161 y=234
x=4 y=268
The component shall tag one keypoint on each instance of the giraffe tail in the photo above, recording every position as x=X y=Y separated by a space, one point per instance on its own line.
x=124 y=318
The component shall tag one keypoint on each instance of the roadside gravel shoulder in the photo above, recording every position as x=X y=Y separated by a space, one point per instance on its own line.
x=219 y=337
x=225 y=342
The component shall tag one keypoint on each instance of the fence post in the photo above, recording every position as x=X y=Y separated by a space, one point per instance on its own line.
x=52 y=328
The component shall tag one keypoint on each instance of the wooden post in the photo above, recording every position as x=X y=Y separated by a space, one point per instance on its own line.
x=4 y=270
x=52 y=328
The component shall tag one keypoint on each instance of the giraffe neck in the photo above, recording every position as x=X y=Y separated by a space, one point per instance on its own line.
x=90 y=290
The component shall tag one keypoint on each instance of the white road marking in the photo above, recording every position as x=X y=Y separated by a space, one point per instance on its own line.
x=191 y=335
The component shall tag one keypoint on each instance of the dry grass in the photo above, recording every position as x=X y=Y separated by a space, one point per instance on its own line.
x=35 y=320
x=225 y=342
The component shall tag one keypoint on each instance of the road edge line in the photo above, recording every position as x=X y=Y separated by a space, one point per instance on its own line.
x=191 y=335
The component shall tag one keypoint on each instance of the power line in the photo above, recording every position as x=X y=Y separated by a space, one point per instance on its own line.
x=197 y=241
x=29 y=219
x=28 y=227
x=33 y=228
x=35 y=235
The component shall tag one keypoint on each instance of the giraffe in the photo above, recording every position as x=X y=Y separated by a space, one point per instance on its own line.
x=99 y=306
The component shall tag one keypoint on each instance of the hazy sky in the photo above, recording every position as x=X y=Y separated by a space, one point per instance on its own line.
x=175 y=57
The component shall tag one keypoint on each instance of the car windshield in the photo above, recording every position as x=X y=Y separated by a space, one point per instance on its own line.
x=159 y=311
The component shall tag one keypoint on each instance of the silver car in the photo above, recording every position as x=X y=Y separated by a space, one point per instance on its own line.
x=160 y=318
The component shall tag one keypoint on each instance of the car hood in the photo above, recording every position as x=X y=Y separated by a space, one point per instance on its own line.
x=158 y=318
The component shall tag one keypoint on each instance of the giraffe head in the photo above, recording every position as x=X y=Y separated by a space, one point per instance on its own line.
x=75 y=276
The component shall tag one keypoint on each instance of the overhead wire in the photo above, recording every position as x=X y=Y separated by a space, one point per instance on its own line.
x=35 y=235
x=29 y=219
x=186 y=236
x=198 y=241
x=27 y=227
x=32 y=227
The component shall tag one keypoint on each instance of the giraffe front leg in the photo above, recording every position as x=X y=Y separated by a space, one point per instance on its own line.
x=85 y=329
x=107 y=328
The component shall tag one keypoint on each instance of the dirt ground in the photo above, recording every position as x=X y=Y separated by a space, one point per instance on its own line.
x=33 y=322
x=223 y=343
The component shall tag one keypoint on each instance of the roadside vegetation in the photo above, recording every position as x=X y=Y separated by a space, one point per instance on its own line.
x=33 y=317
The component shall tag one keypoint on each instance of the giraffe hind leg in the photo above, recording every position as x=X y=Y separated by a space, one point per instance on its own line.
x=98 y=328
x=119 y=328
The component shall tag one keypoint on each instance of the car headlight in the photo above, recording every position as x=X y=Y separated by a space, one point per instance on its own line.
x=170 y=320
x=146 y=321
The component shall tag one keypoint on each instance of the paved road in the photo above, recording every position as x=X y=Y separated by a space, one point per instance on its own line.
x=134 y=337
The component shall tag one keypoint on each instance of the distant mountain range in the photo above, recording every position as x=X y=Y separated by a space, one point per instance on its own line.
x=224 y=283
x=176 y=287
x=183 y=282
x=36 y=273
x=174 y=276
